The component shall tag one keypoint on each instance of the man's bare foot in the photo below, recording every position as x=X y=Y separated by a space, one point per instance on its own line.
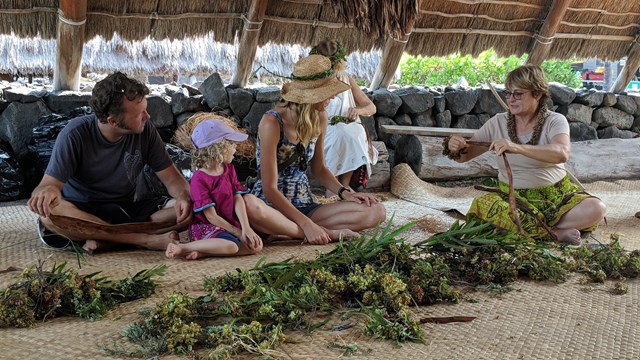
x=161 y=241
x=94 y=246
x=569 y=236
x=194 y=255
x=335 y=235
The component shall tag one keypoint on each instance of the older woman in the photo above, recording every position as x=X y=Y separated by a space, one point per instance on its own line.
x=537 y=143
x=290 y=137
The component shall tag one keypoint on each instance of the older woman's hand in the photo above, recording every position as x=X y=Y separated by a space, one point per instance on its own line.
x=502 y=146
x=457 y=144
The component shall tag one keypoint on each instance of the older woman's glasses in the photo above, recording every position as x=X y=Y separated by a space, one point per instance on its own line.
x=517 y=95
x=302 y=156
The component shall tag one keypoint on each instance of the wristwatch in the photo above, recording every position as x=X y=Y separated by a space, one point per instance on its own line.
x=343 y=189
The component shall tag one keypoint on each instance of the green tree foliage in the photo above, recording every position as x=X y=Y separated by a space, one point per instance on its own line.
x=446 y=70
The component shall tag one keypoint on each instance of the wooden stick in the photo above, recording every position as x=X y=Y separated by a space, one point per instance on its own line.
x=522 y=207
x=497 y=96
x=447 y=319
x=512 y=195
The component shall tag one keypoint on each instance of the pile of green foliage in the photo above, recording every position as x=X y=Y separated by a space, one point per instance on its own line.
x=375 y=280
x=488 y=66
x=40 y=294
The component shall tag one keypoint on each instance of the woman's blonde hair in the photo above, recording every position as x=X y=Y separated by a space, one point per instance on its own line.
x=529 y=77
x=308 y=124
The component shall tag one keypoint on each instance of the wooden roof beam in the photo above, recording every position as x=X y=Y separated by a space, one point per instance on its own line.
x=249 y=42
x=72 y=16
x=629 y=69
x=389 y=61
x=541 y=43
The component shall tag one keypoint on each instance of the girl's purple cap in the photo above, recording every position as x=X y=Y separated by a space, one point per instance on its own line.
x=210 y=132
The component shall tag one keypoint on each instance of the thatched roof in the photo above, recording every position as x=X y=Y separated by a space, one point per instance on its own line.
x=589 y=28
x=200 y=56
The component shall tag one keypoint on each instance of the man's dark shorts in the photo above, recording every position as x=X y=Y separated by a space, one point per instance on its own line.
x=124 y=212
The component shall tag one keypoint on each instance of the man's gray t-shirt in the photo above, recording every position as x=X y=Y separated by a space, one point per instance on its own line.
x=95 y=170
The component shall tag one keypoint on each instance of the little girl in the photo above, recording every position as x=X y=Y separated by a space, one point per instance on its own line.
x=220 y=225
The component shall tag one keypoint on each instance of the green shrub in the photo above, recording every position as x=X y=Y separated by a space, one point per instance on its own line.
x=446 y=70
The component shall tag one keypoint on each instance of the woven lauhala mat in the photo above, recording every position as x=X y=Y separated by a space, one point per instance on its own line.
x=537 y=321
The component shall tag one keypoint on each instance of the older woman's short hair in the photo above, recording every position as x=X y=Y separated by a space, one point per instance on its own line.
x=529 y=77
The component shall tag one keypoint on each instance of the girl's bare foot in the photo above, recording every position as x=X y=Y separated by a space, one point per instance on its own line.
x=173 y=250
x=569 y=236
x=335 y=235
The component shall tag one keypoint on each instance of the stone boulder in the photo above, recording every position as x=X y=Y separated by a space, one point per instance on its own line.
x=24 y=95
x=63 y=102
x=627 y=104
x=608 y=116
x=609 y=99
x=443 y=119
x=240 y=101
x=415 y=100
x=561 y=94
x=268 y=94
x=461 y=102
x=579 y=113
x=591 y=97
x=613 y=132
x=386 y=102
x=487 y=102
x=215 y=95
x=159 y=109
x=423 y=119
x=403 y=119
x=468 y=121
x=408 y=151
x=580 y=132
x=253 y=117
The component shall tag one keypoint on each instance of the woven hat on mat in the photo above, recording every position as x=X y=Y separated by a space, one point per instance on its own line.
x=313 y=81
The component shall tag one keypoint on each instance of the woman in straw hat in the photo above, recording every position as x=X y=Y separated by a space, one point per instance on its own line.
x=349 y=153
x=295 y=129
x=537 y=143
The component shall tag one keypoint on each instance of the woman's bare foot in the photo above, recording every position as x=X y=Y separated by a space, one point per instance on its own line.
x=569 y=236
x=335 y=235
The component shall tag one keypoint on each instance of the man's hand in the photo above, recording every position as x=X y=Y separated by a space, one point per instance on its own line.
x=183 y=209
x=43 y=199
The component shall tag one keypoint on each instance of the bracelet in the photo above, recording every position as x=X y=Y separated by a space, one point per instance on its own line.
x=342 y=189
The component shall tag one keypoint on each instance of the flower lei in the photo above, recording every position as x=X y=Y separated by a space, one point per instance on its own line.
x=321 y=75
x=537 y=130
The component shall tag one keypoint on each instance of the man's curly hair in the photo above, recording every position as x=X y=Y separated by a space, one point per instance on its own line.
x=108 y=95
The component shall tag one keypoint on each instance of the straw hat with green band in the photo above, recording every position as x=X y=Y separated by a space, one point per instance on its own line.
x=313 y=81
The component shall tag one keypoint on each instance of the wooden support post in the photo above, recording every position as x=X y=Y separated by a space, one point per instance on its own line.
x=389 y=62
x=629 y=69
x=249 y=42
x=72 y=16
x=542 y=41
